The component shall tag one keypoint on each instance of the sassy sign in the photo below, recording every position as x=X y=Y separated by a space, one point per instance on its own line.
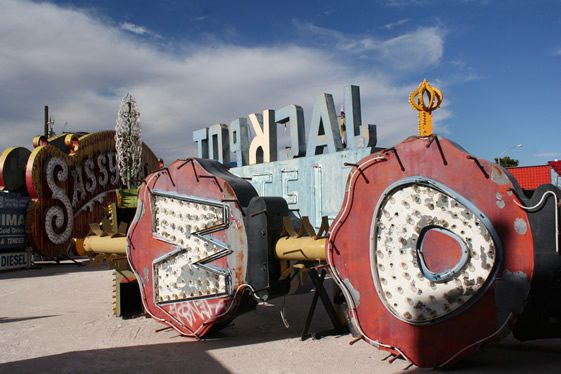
x=70 y=188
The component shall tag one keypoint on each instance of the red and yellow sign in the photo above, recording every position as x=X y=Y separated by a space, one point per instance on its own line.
x=70 y=188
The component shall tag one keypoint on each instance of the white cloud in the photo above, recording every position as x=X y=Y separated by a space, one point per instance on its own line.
x=422 y=48
x=81 y=66
x=393 y=25
x=139 y=30
x=464 y=72
x=135 y=29
x=548 y=155
x=415 y=50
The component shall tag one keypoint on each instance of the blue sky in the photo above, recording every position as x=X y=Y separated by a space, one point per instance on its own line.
x=195 y=63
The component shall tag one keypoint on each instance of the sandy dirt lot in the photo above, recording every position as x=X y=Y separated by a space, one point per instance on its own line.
x=57 y=318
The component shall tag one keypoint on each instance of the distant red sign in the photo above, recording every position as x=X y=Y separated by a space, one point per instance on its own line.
x=531 y=177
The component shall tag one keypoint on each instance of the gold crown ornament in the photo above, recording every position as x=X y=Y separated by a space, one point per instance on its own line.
x=433 y=98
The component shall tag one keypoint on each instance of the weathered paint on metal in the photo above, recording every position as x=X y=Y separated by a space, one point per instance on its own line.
x=305 y=248
x=15 y=260
x=323 y=136
x=421 y=225
x=264 y=227
x=192 y=246
x=541 y=316
x=71 y=181
x=468 y=314
x=104 y=244
x=12 y=169
x=314 y=186
x=520 y=226
x=512 y=294
x=12 y=220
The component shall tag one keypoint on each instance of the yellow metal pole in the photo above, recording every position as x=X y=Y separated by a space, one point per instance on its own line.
x=305 y=248
x=105 y=245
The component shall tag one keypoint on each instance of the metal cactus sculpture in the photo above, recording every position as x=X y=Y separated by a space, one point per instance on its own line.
x=128 y=141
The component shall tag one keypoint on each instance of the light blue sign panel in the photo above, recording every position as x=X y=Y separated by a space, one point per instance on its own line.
x=315 y=185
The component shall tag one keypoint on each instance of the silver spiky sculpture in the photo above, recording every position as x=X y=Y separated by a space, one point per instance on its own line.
x=128 y=141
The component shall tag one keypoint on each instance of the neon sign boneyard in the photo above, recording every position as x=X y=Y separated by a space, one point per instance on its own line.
x=70 y=184
x=101 y=175
x=324 y=136
x=435 y=250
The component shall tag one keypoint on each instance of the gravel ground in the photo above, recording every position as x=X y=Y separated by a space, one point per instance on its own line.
x=57 y=318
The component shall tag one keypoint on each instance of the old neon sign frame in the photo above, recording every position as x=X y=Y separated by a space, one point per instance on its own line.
x=218 y=141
